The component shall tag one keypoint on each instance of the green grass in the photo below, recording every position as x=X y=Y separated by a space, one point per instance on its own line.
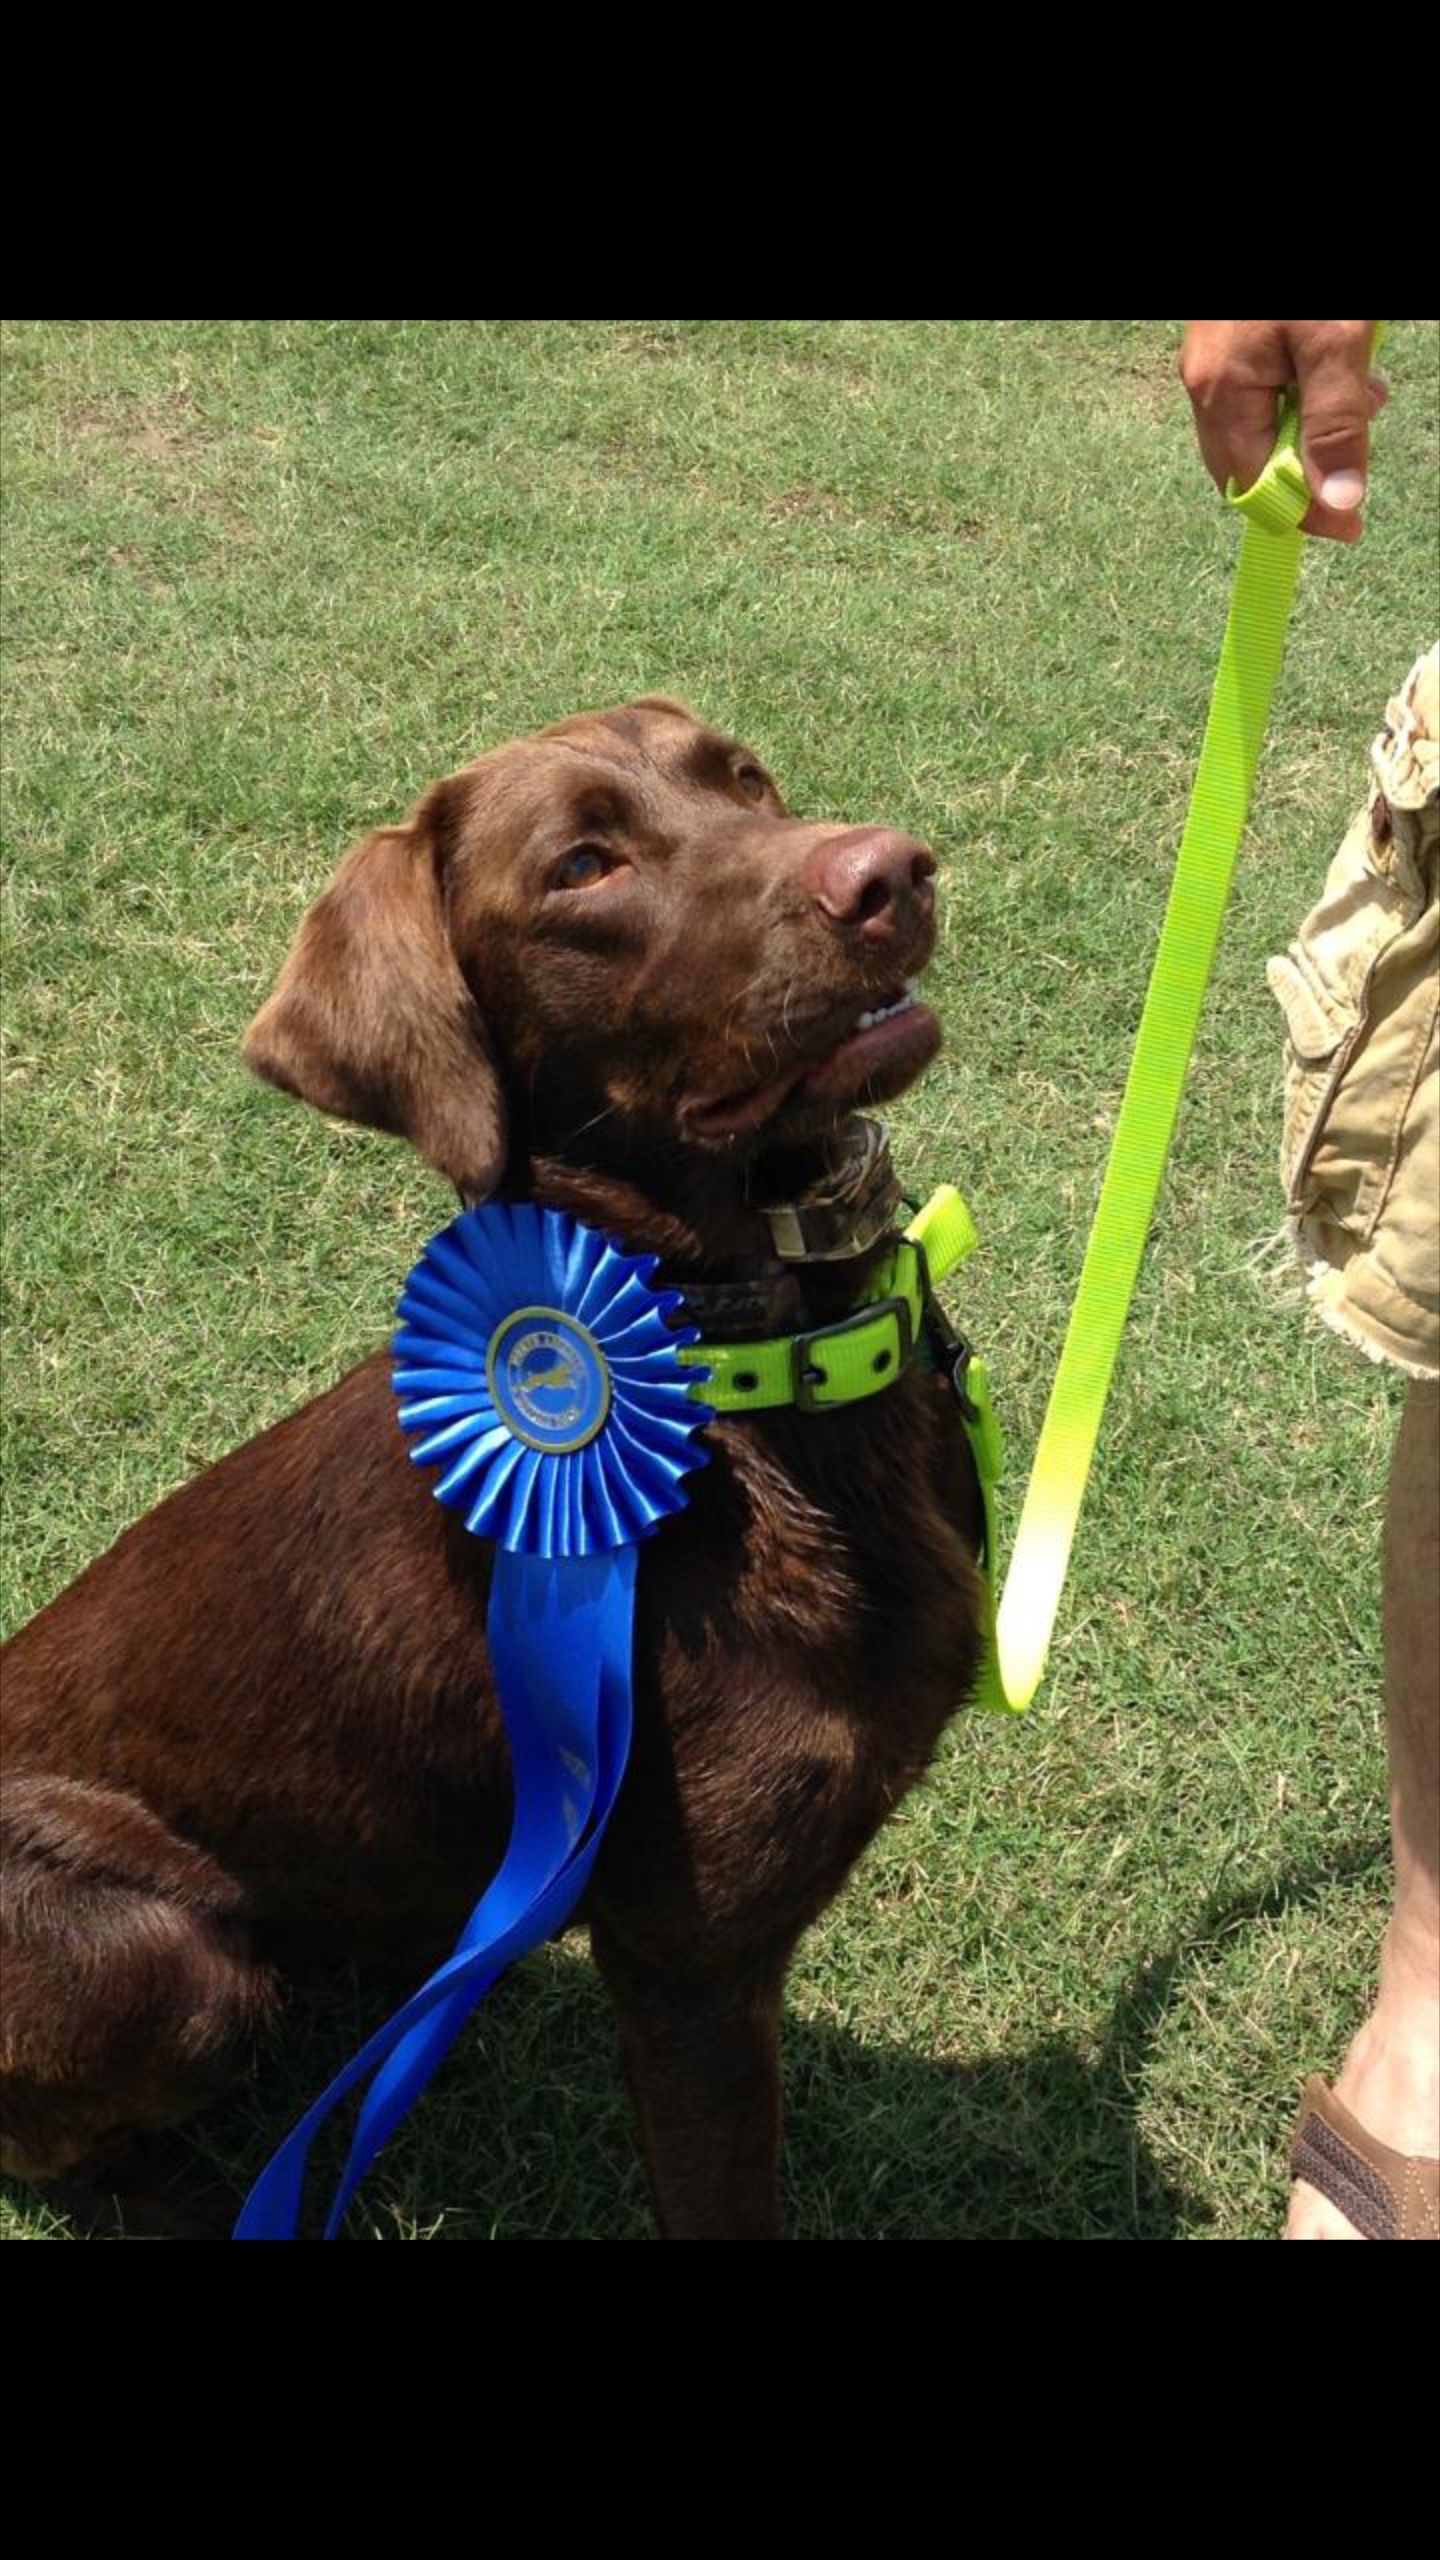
x=265 y=581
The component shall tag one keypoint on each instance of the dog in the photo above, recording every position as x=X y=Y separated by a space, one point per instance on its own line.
x=602 y=968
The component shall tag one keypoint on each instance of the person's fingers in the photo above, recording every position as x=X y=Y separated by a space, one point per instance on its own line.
x=1236 y=428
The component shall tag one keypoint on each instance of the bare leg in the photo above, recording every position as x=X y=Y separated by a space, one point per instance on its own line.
x=1391 y=2074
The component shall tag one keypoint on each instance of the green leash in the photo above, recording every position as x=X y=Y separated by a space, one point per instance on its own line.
x=1249 y=664
x=866 y=1351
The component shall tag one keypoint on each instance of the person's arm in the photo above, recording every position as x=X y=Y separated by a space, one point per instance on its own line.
x=1235 y=371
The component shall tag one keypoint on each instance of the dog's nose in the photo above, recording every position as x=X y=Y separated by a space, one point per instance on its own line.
x=871 y=881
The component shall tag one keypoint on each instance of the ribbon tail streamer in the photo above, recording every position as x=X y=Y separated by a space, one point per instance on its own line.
x=561 y=1648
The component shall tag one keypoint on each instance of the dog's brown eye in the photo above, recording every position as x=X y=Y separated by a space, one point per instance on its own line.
x=751 y=781
x=581 y=868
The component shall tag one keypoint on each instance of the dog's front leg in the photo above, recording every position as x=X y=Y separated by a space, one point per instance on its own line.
x=702 y=2059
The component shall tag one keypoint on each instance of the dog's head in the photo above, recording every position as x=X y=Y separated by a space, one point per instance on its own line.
x=612 y=926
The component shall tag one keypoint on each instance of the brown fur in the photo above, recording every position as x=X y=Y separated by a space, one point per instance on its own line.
x=264 y=1721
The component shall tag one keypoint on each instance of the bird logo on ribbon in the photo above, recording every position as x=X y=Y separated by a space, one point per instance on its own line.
x=548 y=1380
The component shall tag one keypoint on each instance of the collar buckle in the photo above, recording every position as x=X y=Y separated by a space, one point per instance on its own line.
x=808 y=1374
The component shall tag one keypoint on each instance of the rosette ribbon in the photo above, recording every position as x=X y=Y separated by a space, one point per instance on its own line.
x=536 y=1366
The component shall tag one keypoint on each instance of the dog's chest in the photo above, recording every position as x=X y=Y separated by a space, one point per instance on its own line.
x=830 y=1559
x=805 y=1629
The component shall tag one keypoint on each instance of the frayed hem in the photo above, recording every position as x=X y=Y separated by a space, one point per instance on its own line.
x=1272 y=1264
x=1317 y=1273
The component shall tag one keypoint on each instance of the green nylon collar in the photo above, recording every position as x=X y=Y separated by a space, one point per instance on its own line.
x=839 y=1364
x=862 y=1354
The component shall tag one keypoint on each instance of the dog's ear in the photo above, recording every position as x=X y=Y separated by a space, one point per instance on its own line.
x=372 y=1019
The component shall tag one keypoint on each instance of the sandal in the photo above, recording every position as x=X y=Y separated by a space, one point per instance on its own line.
x=1386 y=2196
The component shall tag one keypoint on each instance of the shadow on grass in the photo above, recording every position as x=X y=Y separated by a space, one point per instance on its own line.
x=528 y=2135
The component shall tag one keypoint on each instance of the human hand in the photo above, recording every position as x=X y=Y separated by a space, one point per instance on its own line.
x=1235 y=371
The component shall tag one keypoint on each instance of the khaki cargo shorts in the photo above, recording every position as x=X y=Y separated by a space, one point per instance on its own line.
x=1360 y=993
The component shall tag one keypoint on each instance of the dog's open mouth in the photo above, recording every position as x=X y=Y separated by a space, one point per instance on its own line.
x=883 y=1052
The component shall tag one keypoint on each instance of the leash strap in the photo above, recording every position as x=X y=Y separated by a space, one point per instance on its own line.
x=1250 y=659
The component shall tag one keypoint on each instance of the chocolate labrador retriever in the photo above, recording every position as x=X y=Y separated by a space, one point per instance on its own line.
x=603 y=969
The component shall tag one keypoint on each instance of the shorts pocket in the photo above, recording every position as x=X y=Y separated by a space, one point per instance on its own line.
x=1318 y=1030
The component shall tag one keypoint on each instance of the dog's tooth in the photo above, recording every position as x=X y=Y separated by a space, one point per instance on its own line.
x=884 y=1012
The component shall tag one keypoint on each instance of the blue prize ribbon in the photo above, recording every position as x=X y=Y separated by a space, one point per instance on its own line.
x=534 y=1358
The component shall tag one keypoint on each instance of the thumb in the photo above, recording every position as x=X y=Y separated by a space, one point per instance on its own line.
x=1333 y=371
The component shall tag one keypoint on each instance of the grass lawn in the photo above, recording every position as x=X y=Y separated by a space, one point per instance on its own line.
x=264 y=581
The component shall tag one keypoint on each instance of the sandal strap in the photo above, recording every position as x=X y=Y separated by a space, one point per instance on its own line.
x=1385 y=2195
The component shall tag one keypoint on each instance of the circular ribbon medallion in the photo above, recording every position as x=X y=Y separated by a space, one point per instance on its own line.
x=547 y=1379
x=538 y=1367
